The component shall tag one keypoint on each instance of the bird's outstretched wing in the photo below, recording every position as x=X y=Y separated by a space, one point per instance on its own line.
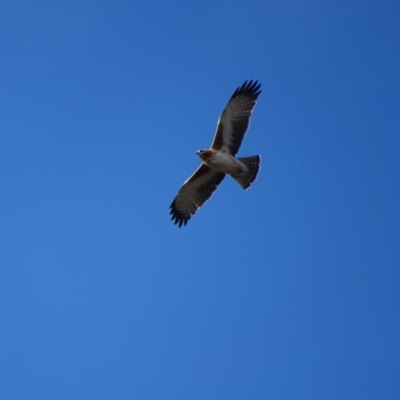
x=194 y=193
x=234 y=120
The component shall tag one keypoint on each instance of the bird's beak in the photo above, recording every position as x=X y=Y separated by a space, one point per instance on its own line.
x=198 y=152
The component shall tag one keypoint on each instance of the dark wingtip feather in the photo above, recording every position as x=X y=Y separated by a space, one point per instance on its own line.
x=178 y=218
x=250 y=88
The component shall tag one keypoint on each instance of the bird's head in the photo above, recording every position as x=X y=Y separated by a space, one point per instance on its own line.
x=203 y=154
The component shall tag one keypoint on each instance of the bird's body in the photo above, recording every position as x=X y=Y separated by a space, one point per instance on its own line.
x=220 y=159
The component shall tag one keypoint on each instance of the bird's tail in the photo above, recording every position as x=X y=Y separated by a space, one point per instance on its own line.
x=245 y=179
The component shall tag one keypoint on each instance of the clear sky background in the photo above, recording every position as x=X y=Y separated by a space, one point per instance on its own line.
x=290 y=290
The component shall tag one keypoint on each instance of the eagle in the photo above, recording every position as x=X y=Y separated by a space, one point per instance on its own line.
x=219 y=159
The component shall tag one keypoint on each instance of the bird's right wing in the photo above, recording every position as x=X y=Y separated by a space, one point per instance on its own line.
x=194 y=193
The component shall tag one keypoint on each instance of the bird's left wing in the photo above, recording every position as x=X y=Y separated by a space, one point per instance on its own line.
x=194 y=193
x=234 y=120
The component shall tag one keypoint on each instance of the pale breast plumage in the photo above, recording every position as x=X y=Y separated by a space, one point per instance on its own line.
x=224 y=162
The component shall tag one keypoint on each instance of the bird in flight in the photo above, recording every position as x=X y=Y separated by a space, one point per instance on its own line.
x=220 y=159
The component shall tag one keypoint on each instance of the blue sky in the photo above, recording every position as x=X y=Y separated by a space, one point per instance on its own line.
x=287 y=291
